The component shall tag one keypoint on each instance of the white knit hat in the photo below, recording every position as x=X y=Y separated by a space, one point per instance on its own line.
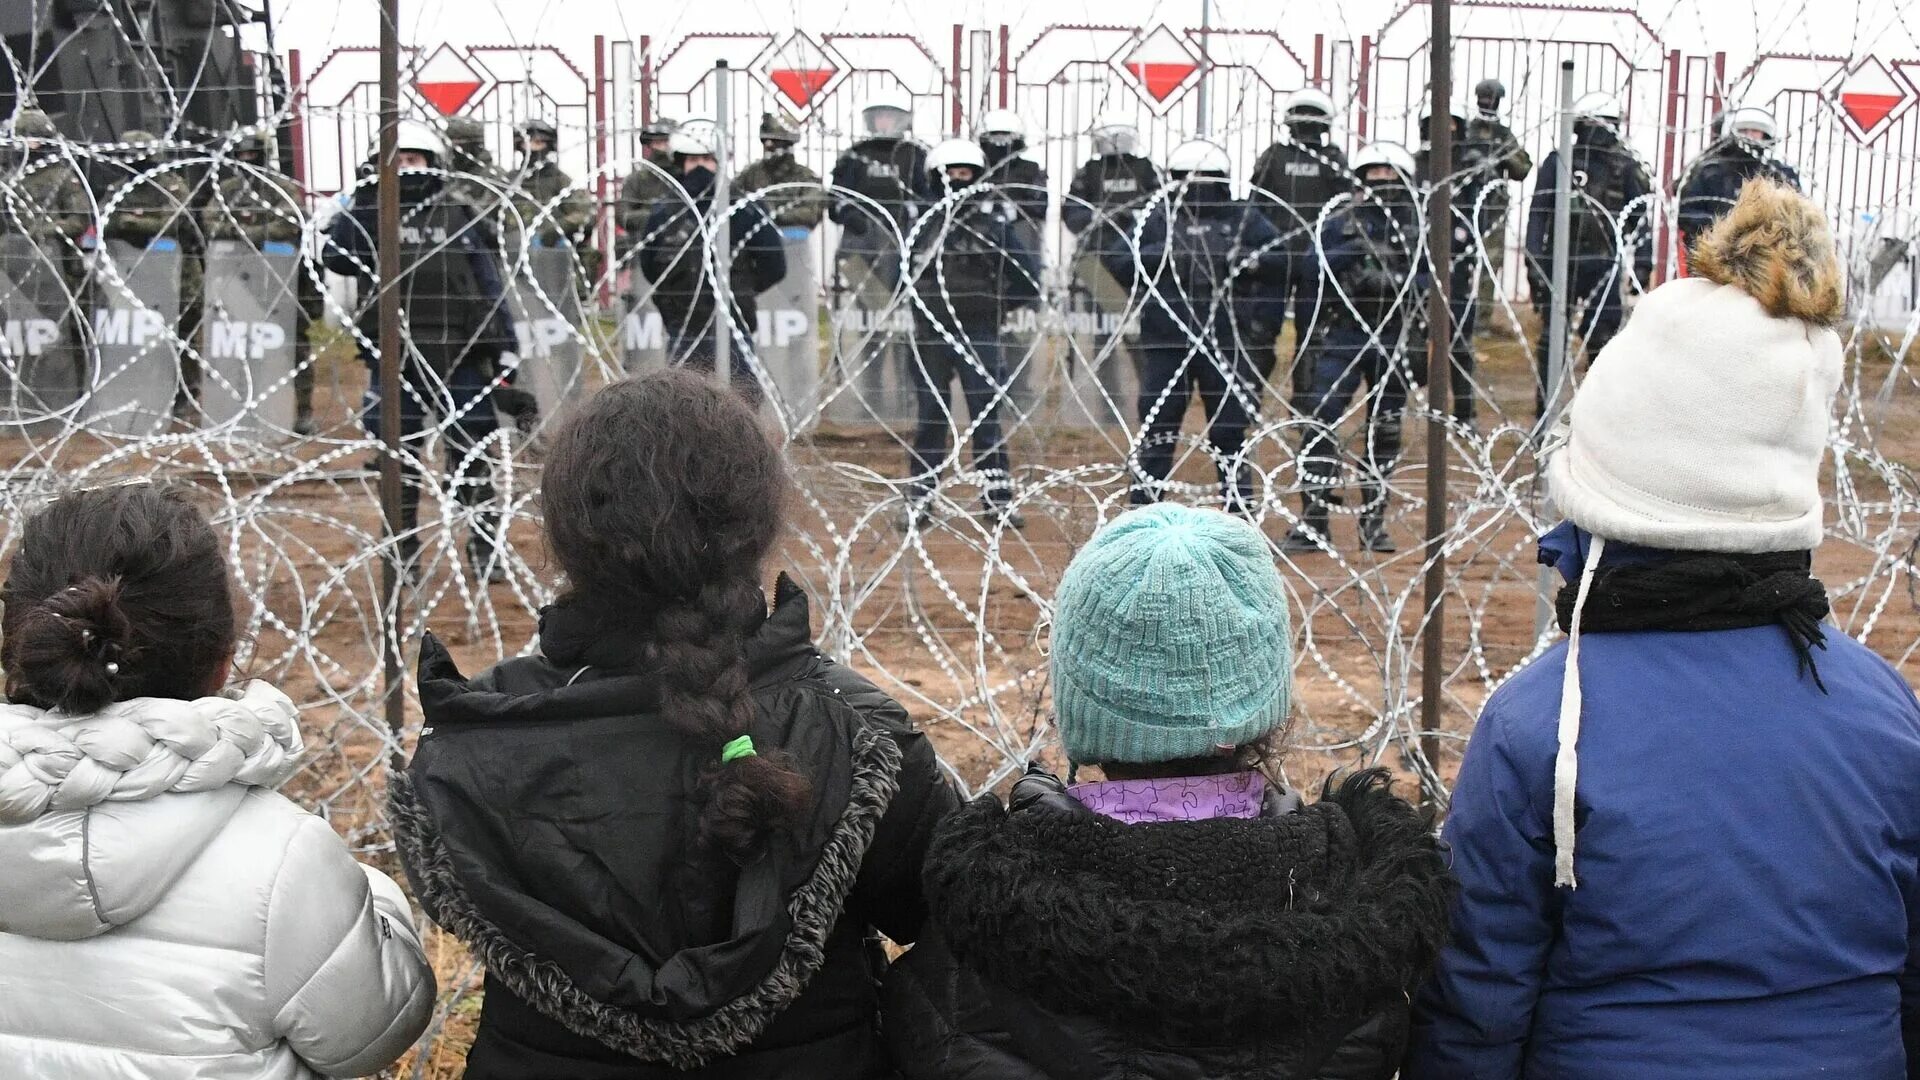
x=1702 y=425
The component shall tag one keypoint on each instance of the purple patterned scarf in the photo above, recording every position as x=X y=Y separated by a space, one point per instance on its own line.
x=1176 y=798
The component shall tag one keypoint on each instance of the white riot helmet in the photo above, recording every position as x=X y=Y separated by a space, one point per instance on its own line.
x=1376 y=154
x=1759 y=122
x=955 y=152
x=1308 y=105
x=698 y=137
x=1114 y=135
x=421 y=138
x=887 y=115
x=1004 y=123
x=1598 y=107
x=1198 y=157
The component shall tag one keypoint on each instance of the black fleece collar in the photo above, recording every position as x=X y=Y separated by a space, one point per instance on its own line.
x=1274 y=925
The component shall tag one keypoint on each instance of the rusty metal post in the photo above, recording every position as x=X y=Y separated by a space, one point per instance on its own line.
x=1439 y=386
x=387 y=261
x=602 y=220
x=959 y=62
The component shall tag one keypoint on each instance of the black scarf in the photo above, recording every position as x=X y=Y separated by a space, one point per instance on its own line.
x=1701 y=591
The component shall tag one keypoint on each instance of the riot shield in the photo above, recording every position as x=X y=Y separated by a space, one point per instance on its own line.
x=1101 y=382
x=42 y=367
x=136 y=342
x=787 y=340
x=248 y=339
x=868 y=377
x=642 y=337
x=547 y=317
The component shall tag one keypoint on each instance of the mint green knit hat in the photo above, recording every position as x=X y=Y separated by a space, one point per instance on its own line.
x=1170 y=639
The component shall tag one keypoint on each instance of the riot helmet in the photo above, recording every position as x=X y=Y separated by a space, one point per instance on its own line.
x=776 y=137
x=1199 y=161
x=956 y=163
x=1596 y=118
x=1309 y=116
x=1114 y=136
x=1752 y=130
x=531 y=134
x=887 y=116
x=1487 y=96
x=1002 y=134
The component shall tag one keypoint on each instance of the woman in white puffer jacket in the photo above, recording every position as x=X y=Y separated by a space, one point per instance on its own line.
x=163 y=911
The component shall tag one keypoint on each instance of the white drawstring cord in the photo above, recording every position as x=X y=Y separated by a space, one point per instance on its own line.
x=1566 y=761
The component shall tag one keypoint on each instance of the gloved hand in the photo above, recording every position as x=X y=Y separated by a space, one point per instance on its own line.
x=520 y=405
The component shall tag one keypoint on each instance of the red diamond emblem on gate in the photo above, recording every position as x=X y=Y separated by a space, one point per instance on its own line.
x=800 y=69
x=447 y=80
x=1160 y=64
x=1870 y=98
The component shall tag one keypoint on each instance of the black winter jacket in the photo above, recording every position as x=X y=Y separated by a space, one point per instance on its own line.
x=548 y=819
x=1064 y=944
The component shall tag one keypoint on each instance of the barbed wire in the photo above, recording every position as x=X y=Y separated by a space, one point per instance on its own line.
x=954 y=432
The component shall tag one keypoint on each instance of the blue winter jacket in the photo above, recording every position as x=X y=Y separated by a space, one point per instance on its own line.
x=1748 y=898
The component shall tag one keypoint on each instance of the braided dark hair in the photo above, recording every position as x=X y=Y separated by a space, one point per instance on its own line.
x=116 y=593
x=662 y=497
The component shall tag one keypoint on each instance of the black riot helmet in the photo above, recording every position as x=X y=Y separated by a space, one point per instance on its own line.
x=1487 y=96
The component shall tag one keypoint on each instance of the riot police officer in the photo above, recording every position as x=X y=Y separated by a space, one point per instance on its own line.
x=1470 y=180
x=1714 y=181
x=49 y=206
x=797 y=201
x=151 y=208
x=1609 y=237
x=1293 y=181
x=258 y=204
x=1207 y=273
x=546 y=201
x=1099 y=210
x=879 y=187
x=1003 y=139
x=971 y=262
x=1109 y=187
x=673 y=256
x=459 y=363
x=649 y=182
x=1369 y=335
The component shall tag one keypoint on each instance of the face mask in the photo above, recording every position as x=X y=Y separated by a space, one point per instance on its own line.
x=698 y=178
x=776 y=149
x=417 y=186
x=1311 y=132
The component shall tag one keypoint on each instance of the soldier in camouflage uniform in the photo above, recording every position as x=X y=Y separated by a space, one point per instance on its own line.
x=47 y=203
x=792 y=206
x=644 y=186
x=153 y=209
x=476 y=180
x=539 y=182
x=260 y=205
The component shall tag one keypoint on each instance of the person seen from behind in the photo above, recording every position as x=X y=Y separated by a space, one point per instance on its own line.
x=164 y=913
x=674 y=832
x=1688 y=837
x=1186 y=915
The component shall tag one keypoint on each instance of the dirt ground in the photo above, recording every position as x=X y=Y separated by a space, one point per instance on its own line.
x=957 y=636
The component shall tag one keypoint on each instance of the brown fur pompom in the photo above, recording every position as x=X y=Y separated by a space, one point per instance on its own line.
x=1775 y=245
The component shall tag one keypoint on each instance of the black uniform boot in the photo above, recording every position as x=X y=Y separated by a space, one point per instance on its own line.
x=1313 y=530
x=484 y=553
x=1373 y=524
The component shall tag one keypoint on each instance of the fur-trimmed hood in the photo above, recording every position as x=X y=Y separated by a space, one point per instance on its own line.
x=548 y=817
x=1279 y=928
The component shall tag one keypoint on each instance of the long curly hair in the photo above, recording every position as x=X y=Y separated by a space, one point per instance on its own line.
x=662 y=497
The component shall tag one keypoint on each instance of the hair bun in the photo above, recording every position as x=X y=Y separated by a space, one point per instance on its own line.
x=71 y=647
